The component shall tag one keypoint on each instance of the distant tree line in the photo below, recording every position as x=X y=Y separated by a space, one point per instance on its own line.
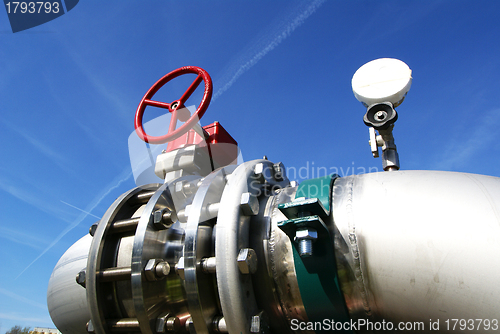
x=18 y=330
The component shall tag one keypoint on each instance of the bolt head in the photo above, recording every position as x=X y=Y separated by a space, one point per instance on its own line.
x=247 y=261
x=93 y=228
x=259 y=323
x=306 y=233
x=279 y=171
x=80 y=278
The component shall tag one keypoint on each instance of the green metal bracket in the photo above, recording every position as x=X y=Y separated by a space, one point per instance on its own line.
x=311 y=206
x=317 y=274
x=320 y=188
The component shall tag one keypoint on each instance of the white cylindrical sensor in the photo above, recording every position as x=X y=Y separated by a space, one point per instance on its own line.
x=382 y=80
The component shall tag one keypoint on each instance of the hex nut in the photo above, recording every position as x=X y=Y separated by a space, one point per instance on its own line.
x=187 y=209
x=249 y=204
x=90 y=327
x=258 y=168
x=305 y=237
x=189 y=325
x=162 y=219
x=247 y=261
x=262 y=172
x=178 y=186
x=259 y=323
x=306 y=233
x=184 y=187
x=279 y=171
x=149 y=270
x=179 y=268
x=161 y=323
x=156 y=269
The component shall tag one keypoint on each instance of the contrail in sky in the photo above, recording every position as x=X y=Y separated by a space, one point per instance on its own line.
x=88 y=213
x=22 y=299
x=124 y=176
x=480 y=135
x=277 y=38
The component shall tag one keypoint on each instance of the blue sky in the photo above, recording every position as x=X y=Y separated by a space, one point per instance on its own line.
x=282 y=87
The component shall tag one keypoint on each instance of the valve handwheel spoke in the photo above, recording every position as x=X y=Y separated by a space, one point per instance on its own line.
x=176 y=108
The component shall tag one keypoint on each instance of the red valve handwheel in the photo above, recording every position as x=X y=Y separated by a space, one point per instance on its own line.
x=176 y=107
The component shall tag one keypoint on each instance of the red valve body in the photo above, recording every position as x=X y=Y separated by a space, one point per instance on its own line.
x=223 y=147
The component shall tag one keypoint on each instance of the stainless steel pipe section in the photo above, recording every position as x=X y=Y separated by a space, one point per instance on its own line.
x=67 y=300
x=419 y=246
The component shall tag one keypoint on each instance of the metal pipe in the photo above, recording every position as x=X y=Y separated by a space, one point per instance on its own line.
x=66 y=300
x=422 y=246
x=411 y=246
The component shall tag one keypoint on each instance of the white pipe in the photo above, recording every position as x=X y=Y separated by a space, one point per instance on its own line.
x=66 y=299
x=420 y=246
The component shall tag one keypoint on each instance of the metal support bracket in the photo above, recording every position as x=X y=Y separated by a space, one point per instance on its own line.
x=385 y=140
x=316 y=273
